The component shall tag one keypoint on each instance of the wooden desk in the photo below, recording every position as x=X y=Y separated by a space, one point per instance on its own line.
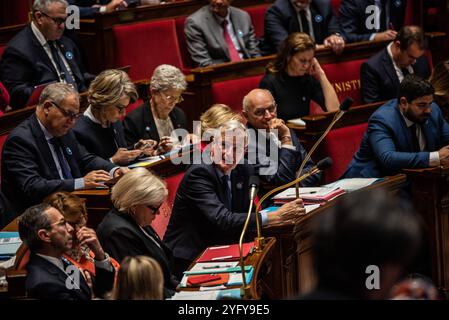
x=292 y=270
x=262 y=264
x=430 y=193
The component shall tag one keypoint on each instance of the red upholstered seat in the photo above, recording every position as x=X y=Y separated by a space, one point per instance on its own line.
x=187 y=62
x=161 y=222
x=345 y=77
x=134 y=105
x=145 y=46
x=2 y=49
x=231 y=92
x=257 y=15
x=341 y=144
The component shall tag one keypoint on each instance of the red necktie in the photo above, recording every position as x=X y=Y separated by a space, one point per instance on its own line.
x=233 y=53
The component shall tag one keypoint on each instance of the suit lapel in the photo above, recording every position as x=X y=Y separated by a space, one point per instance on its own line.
x=430 y=136
x=148 y=121
x=42 y=54
x=43 y=146
x=317 y=23
x=69 y=57
x=217 y=31
x=238 y=31
x=67 y=150
x=388 y=68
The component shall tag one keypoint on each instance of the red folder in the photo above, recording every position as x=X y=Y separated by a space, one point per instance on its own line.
x=225 y=253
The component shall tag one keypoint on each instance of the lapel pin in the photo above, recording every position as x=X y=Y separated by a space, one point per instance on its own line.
x=397 y=3
x=318 y=18
x=239 y=185
x=147 y=129
x=69 y=55
x=240 y=33
x=68 y=151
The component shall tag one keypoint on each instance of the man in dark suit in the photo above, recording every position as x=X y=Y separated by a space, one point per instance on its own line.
x=42 y=156
x=314 y=17
x=282 y=152
x=51 y=276
x=405 y=133
x=40 y=54
x=219 y=33
x=212 y=200
x=381 y=74
x=359 y=21
x=88 y=8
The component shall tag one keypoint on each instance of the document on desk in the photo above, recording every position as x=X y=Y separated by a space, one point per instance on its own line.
x=352 y=184
x=207 y=295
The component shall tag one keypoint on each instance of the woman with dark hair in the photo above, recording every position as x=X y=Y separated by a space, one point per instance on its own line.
x=295 y=77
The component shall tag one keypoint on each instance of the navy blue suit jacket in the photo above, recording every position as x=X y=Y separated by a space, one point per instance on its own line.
x=379 y=81
x=387 y=145
x=47 y=281
x=281 y=19
x=353 y=18
x=28 y=171
x=86 y=10
x=200 y=218
x=25 y=64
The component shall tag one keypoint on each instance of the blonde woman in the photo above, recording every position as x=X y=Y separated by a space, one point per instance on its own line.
x=440 y=82
x=139 y=278
x=126 y=230
x=100 y=129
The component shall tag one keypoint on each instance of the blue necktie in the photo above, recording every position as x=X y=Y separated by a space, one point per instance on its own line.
x=63 y=71
x=62 y=161
x=228 y=200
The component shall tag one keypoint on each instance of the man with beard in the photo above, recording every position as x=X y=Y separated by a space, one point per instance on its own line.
x=407 y=132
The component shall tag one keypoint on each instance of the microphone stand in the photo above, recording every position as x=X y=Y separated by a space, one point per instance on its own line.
x=337 y=117
x=245 y=289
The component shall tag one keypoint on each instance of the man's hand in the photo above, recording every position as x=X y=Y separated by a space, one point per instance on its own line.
x=335 y=42
x=124 y=156
x=88 y=237
x=283 y=130
x=444 y=156
x=386 y=35
x=95 y=178
x=116 y=4
x=121 y=171
x=288 y=213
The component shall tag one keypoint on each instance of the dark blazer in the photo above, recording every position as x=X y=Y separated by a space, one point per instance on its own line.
x=205 y=40
x=379 y=81
x=86 y=10
x=104 y=142
x=139 y=123
x=47 y=281
x=281 y=19
x=199 y=217
x=25 y=64
x=120 y=236
x=353 y=18
x=288 y=161
x=387 y=145
x=28 y=171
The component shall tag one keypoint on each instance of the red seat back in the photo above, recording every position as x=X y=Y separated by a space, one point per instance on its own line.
x=161 y=222
x=14 y=12
x=335 y=4
x=345 y=78
x=134 y=105
x=2 y=49
x=341 y=144
x=257 y=15
x=145 y=46
x=187 y=62
x=231 y=92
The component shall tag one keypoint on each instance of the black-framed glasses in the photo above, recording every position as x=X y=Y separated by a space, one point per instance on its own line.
x=67 y=114
x=261 y=111
x=57 y=21
x=154 y=209
x=172 y=99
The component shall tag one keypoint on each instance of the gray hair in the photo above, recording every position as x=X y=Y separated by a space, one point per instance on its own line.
x=247 y=100
x=57 y=92
x=138 y=187
x=42 y=5
x=166 y=77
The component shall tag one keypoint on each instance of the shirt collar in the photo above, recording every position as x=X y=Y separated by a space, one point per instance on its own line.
x=408 y=122
x=56 y=261
x=88 y=113
x=220 y=19
x=221 y=174
x=38 y=34
x=390 y=53
x=47 y=134
x=306 y=9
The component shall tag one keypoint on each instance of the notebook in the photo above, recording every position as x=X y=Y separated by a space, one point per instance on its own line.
x=226 y=253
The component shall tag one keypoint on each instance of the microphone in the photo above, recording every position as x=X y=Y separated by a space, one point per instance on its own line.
x=344 y=107
x=320 y=166
x=253 y=185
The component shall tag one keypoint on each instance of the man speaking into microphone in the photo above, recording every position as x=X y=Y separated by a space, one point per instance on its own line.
x=212 y=200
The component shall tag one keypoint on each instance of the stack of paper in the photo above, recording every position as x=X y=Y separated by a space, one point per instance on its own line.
x=298 y=122
x=200 y=277
x=352 y=184
x=226 y=253
x=9 y=244
x=308 y=195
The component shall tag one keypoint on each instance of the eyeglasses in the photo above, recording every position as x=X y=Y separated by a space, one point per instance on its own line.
x=60 y=223
x=121 y=108
x=154 y=209
x=261 y=111
x=57 y=21
x=172 y=99
x=67 y=114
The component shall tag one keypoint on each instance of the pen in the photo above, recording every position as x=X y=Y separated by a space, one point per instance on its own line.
x=221 y=258
x=216 y=267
